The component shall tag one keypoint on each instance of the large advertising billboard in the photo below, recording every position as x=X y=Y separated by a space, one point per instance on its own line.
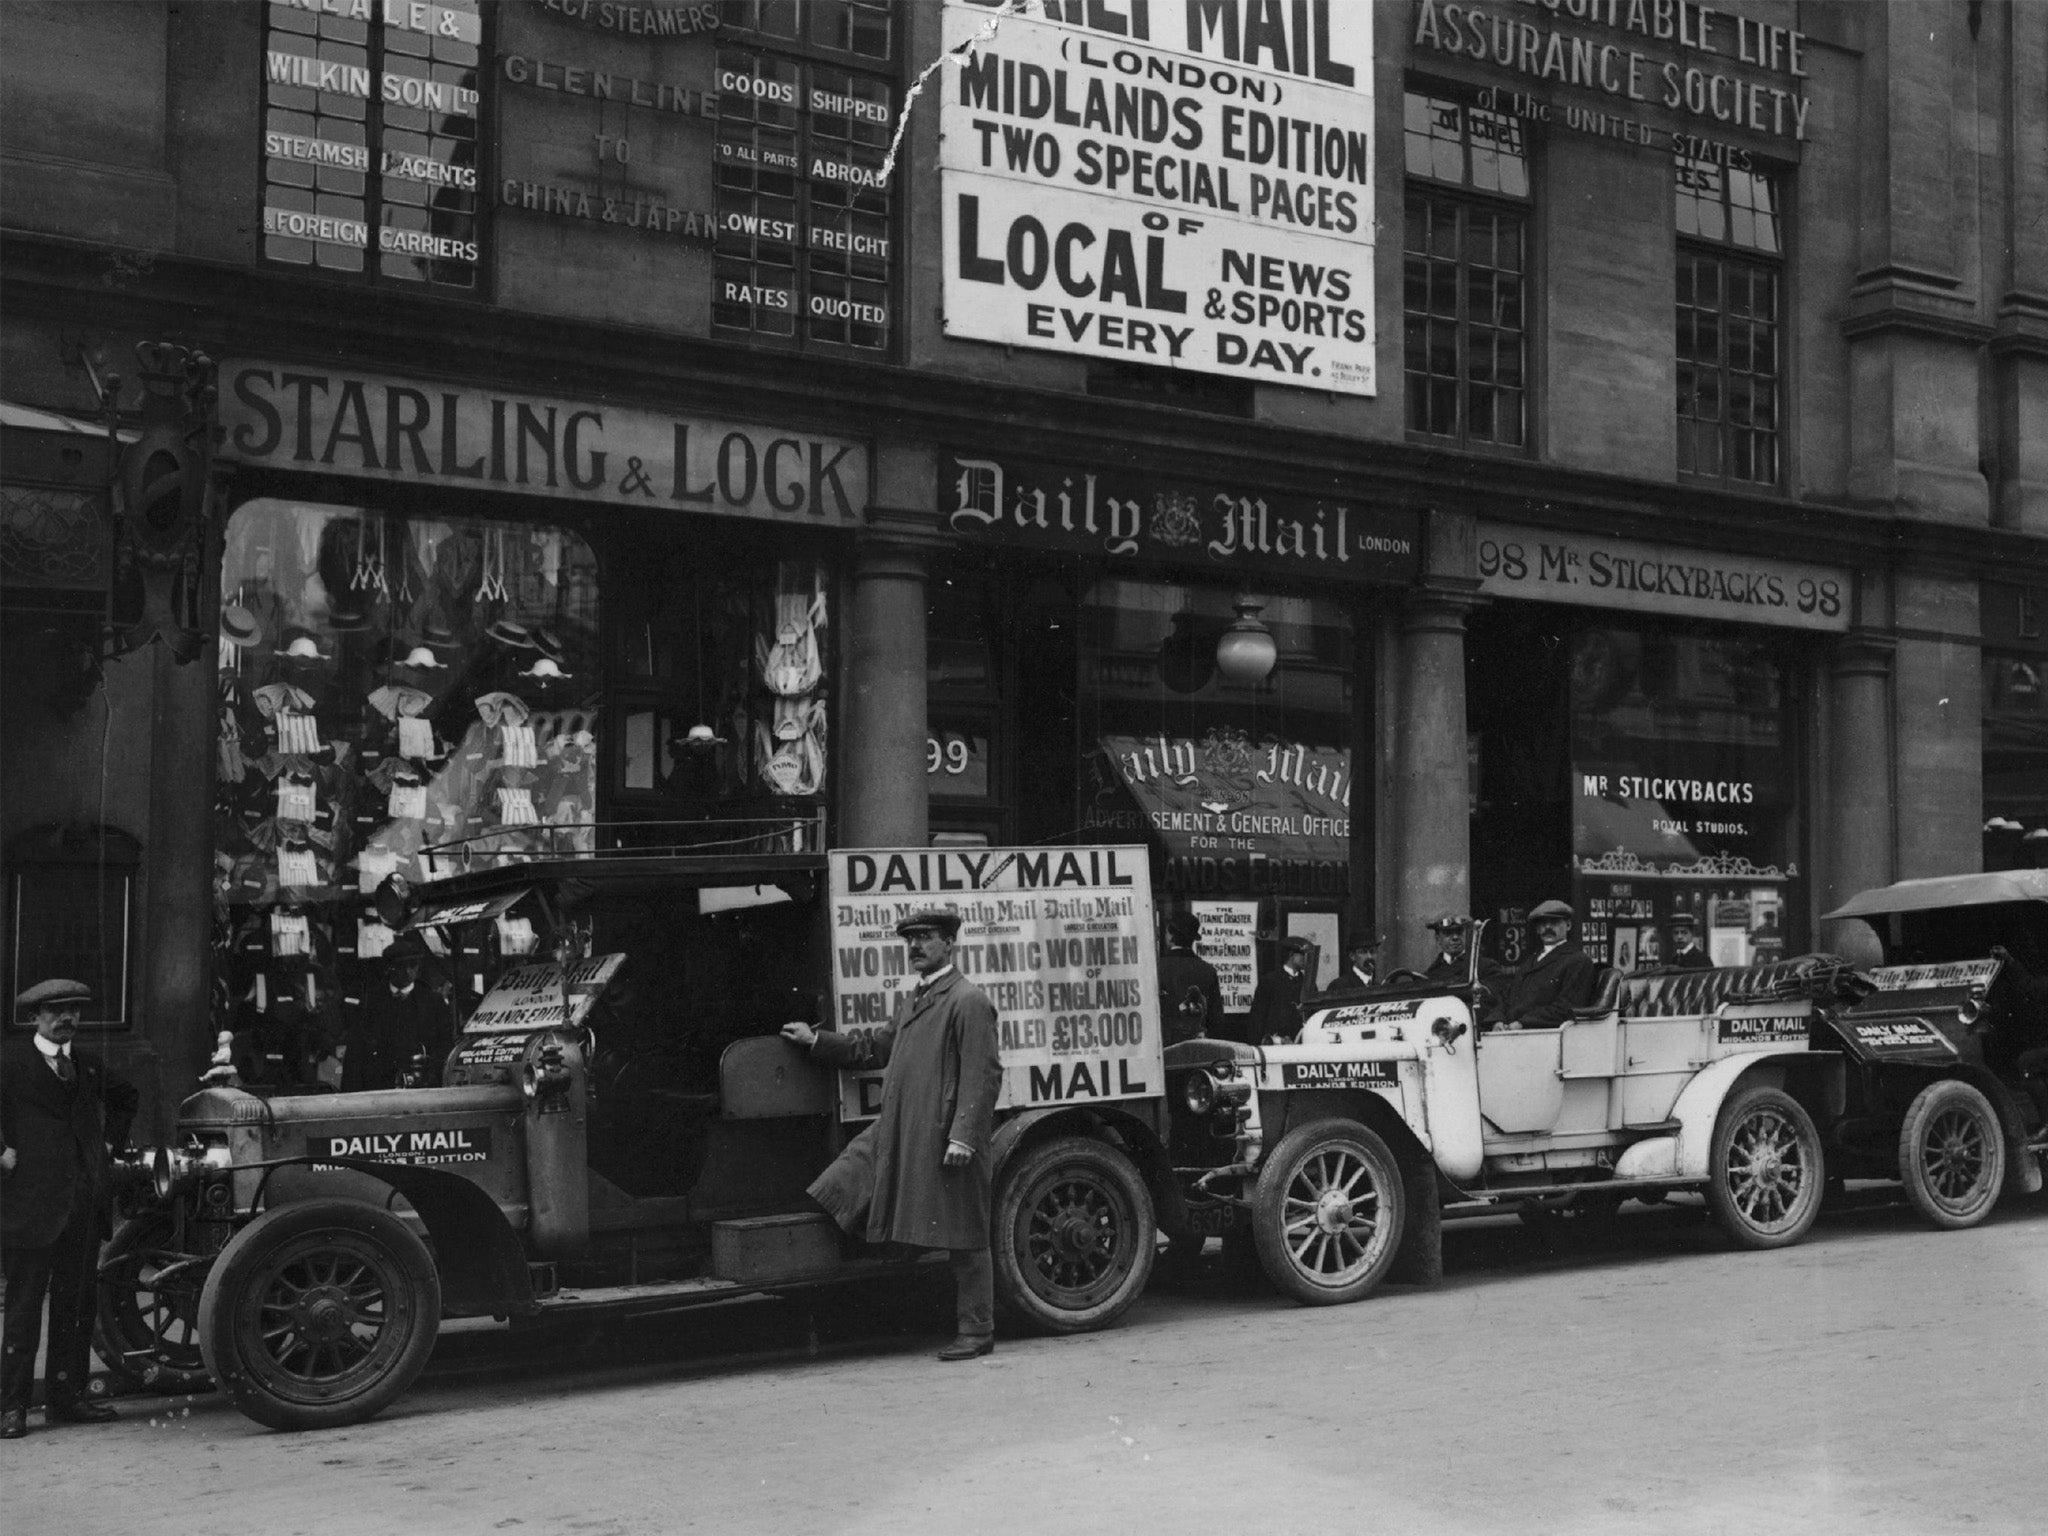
x=1061 y=940
x=1188 y=186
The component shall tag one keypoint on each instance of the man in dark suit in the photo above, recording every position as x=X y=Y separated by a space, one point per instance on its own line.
x=403 y=1032
x=1452 y=963
x=1555 y=981
x=920 y=1174
x=1361 y=965
x=1686 y=954
x=58 y=1109
x=1276 y=1001
x=1190 y=993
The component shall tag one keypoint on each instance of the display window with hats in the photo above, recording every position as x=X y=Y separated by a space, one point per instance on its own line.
x=388 y=682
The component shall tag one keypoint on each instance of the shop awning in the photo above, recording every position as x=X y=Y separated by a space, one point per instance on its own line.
x=1287 y=800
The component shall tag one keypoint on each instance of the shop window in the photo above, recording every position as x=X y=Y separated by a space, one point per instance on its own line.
x=724 y=669
x=72 y=905
x=2015 y=760
x=1465 y=274
x=806 y=231
x=370 y=142
x=397 y=695
x=1684 y=795
x=1730 y=329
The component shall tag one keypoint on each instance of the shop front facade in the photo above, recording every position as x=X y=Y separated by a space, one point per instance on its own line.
x=1497 y=474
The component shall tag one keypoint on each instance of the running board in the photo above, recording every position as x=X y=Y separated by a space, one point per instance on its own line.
x=670 y=1295
x=1483 y=1202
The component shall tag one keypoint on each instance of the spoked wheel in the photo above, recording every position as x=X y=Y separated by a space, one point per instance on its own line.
x=1328 y=1212
x=1073 y=1234
x=320 y=1313
x=1952 y=1154
x=146 y=1323
x=1767 y=1169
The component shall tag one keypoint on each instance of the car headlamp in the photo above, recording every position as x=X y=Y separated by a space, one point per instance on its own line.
x=1199 y=1092
x=172 y=1169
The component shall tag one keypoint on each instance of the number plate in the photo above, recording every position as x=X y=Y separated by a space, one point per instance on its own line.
x=1212 y=1220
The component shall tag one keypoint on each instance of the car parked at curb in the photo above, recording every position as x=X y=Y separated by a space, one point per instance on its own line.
x=1342 y=1150
x=1946 y=1043
x=621 y=1129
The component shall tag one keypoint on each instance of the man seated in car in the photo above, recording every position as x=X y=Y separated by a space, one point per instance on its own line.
x=1554 y=982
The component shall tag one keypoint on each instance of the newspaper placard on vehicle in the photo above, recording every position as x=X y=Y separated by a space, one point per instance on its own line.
x=1918 y=978
x=540 y=996
x=1060 y=939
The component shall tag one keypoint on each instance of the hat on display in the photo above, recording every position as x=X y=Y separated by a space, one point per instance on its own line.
x=422 y=658
x=1449 y=922
x=54 y=993
x=1547 y=909
x=938 y=919
x=505 y=632
x=299 y=645
x=437 y=631
x=544 y=670
x=349 y=613
x=549 y=644
x=1183 y=928
x=238 y=626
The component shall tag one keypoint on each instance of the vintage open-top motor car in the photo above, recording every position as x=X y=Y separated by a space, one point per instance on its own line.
x=1344 y=1148
x=1948 y=1051
x=611 y=1135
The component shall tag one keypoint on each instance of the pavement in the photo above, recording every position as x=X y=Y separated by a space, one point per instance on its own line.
x=1881 y=1378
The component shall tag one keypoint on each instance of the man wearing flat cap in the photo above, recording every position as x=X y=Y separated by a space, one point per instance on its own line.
x=58 y=1111
x=1556 y=980
x=1686 y=954
x=1276 y=1001
x=920 y=1174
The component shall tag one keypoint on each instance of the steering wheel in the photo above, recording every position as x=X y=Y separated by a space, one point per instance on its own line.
x=1405 y=977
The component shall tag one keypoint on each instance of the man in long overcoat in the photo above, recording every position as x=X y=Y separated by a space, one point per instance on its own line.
x=1190 y=992
x=1277 y=999
x=58 y=1109
x=1555 y=981
x=920 y=1174
x=401 y=1021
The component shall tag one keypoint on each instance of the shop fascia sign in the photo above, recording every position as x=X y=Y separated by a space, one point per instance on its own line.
x=1189 y=186
x=1667 y=59
x=1593 y=572
x=334 y=421
x=1125 y=515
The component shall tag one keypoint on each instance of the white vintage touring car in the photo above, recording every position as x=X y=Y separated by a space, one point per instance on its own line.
x=1345 y=1148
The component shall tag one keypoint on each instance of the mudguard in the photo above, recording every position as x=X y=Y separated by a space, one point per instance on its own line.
x=1688 y=1154
x=476 y=1253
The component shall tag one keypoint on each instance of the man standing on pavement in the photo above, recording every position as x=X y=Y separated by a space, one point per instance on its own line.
x=1190 y=993
x=58 y=1110
x=1686 y=954
x=1555 y=981
x=1276 y=1001
x=920 y=1174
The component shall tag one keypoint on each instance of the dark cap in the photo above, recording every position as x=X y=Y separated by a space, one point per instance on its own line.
x=1294 y=943
x=1183 y=928
x=1449 y=922
x=938 y=919
x=1545 y=909
x=1682 y=920
x=55 y=993
x=408 y=946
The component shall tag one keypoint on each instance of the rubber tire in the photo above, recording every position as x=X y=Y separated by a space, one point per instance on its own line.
x=270 y=1391
x=1947 y=1100
x=1744 y=1111
x=118 y=1324
x=1035 y=1187
x=1290 y=1162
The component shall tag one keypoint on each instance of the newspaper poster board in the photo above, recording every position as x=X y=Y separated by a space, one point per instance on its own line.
x=1229 y=941
x=1190 y=187
x=1060 y=938
x=530 y=997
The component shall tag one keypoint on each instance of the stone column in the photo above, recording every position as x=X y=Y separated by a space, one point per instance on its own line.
x=882 y=795
x=1856 y=800
x=1432 y=829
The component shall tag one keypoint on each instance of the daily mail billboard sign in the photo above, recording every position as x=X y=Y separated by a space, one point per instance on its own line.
x=1187 y=184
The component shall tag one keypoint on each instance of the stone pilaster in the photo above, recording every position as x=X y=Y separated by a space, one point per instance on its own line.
x=1856 y=800
x=1432 y=841
x=882 y=795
